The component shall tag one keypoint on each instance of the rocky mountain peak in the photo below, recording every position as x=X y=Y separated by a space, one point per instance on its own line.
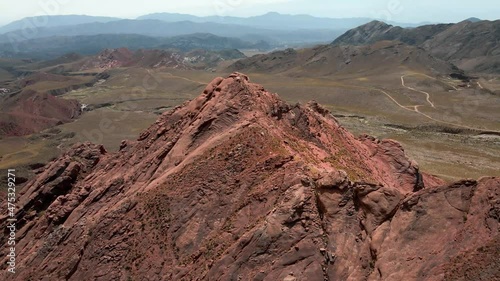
x=365 y=33
x=238 y=184
x=375 y=24
x=473 y=19
x=235 y=93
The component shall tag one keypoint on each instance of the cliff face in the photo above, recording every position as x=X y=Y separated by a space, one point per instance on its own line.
x=239 y=185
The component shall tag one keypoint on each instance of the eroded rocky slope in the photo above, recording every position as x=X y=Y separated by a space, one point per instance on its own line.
x=239 y=185
x=333 y=60
x=29 y=111
x=170 y=58
x=471 y=45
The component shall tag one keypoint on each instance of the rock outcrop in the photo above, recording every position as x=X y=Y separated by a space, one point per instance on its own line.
x=239 y=185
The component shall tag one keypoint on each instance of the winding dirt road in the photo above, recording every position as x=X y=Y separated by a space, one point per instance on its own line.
x=414 y=108
x=179 y=77
x=428 y=96
x=184 y=78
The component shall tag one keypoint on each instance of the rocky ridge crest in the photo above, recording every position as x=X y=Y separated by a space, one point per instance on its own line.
x=239 y=185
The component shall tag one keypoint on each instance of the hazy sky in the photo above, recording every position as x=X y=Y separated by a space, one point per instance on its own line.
x=396 y=10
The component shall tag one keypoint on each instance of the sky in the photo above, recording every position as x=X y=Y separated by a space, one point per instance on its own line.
x=407 y=11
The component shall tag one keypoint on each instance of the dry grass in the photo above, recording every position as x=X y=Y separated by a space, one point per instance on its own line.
x=109 y=127
x=20 y=151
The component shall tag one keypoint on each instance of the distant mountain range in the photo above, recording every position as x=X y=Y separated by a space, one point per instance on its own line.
x=159 y=28
x=471 y=45
x=53 y=21
x=277 y=29
x=52 y=47
x=271 y=20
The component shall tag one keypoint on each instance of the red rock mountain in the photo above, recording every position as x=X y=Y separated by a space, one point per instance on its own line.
x=239 y=185
x=29 y=111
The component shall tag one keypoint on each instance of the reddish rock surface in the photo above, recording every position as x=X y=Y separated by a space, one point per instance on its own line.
x=29 y=111
x=239 y=185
